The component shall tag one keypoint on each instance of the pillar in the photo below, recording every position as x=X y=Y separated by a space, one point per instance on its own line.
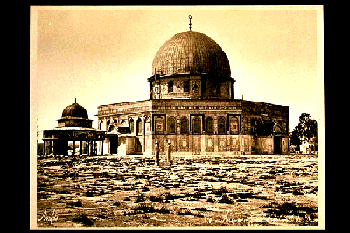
x=53 y=147
x=135 y=125
x=215 y=138
x=168 y=152
x=143 y=133
x=88 y=148
x=67 y=147
x=50 y=147
x=101 y=147
x=44 y=148
x=81 y=147
x=93 y=148
x=73 y=153
x=157 y=152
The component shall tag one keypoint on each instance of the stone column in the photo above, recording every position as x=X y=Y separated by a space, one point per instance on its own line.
x=168 y=152
x=53 y=147
x=215 y=121
x=73 y=153
x=50 y=147
x=135 y=125
x=157 y=152
x=143 y=133
x=66 y=150
x=216 y=139
x=44 y=148
x=88 y=147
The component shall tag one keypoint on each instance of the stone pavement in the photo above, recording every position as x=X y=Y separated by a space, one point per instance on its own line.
x=110 y=191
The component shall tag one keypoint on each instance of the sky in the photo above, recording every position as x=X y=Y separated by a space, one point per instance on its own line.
x=103 y=55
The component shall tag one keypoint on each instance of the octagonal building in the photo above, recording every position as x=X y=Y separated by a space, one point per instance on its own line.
x=192 y=105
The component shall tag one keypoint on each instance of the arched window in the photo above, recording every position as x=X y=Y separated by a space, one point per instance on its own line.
x=209 y=125
x=183 y=125
x=171 y=125
x=110 y=128
x=234 y=125
x=131 y=125
x=159 y=123
x=222 y=125
x=170 y=86
x=196 y=125
x=186 y=86
x=139 y=126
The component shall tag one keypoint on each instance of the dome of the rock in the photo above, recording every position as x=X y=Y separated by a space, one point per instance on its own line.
x=191 y=52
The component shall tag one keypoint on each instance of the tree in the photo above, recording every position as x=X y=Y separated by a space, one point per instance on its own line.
x=305 y=131
x=294 y=138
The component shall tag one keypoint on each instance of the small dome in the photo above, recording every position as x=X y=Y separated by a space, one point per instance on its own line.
x=74 y=110
x=191 y=52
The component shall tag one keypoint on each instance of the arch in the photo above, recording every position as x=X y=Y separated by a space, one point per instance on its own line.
x=209 y=125
x=171 y=125
x=234 y=125
x=139 y=126
x=111 y=128
x=221 y=125
x=131 y=125
x=170 y=86
x=196 y=125
x=183 y=125
x=159 y=122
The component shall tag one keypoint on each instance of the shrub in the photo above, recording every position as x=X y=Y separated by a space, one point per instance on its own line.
x=184 y=212
x=306 y=214
x=84 y=220
x=140 y=198
x=220 y=191
x=89 y=193
x=226 y=199
x=156 y=198
x=117 y=203
x=210 y=199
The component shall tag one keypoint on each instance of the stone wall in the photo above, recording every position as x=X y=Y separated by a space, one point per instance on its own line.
x=199 y=126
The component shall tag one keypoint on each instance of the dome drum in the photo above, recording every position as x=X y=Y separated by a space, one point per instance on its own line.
x=191 y=87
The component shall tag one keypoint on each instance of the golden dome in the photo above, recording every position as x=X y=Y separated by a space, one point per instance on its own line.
x=191 y=52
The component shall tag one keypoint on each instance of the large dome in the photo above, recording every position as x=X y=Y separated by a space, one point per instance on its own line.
x=191 y=52
x=74 y=110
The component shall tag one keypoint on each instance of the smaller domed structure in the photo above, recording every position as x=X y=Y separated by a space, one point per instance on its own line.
x=74 y=110
x=74 y=115
x=74 y=126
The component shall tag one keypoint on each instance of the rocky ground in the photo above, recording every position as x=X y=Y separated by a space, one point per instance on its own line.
x=130 y=191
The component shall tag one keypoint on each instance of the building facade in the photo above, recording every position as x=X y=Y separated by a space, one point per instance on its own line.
x=192 y=105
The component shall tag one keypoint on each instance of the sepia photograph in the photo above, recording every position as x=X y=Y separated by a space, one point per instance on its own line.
x=177 y=117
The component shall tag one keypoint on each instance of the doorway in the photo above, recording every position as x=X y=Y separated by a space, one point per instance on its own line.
x=278 y=144
x=113 y=145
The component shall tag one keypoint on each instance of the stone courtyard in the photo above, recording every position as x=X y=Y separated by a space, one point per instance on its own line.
x=131 y=191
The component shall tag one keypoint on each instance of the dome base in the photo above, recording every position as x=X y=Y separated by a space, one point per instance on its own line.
x=191 y=86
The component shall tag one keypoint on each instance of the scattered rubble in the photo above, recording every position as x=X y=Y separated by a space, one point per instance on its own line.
x=114 y=191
